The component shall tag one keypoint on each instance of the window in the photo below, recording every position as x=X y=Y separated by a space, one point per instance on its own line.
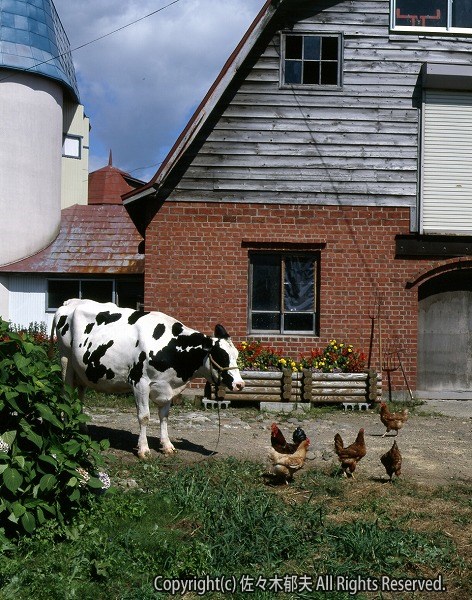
x=311 y=59
x=71 y=146
x=127 y=293
x=283 y=293
x=440 y=15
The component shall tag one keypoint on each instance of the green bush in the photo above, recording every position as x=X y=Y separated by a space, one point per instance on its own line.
x=48 y=466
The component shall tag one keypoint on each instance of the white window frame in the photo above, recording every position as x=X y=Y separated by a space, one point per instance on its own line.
x=419 y=29
x=68 y=150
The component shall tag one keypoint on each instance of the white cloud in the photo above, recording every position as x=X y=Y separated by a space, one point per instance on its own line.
x=140 y=85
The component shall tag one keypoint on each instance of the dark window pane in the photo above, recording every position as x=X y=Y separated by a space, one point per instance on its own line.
x=266 y=282
x=100 y=291
x=130 y=294
x=60 y=290
x=422 y=13
x=329 y=48
x=293 y=71
x=293 y=46
x=312 y=44
x=298 y=322
x=266 y=321
x=329 y=73
x=311 y=72
x=462 y=13
x=298 y=285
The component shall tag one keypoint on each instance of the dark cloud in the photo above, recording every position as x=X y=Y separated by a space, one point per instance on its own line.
x=140 y=85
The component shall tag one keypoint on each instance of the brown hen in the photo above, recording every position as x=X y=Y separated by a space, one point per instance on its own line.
x=393 y=421
x=392 y=461
x=349 y=456
x=280 y=444
x=285 y=465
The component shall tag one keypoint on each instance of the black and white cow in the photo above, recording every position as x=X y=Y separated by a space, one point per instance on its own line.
x=113 y=349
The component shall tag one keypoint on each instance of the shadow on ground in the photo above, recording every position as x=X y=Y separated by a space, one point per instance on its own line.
x=121 y=439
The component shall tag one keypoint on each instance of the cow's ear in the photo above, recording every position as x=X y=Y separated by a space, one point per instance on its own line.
x=220 y=332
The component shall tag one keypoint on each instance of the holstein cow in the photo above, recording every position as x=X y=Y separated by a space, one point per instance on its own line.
x=114 y=349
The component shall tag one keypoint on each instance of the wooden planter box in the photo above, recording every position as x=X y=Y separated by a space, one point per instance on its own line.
x=322 y=388
x=267 y=386
x=317 y=388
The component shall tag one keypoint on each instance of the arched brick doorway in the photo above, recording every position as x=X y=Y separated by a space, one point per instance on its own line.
x=445 y=332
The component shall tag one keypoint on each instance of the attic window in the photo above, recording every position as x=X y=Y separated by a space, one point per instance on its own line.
x=433 y=15
x=312 y=60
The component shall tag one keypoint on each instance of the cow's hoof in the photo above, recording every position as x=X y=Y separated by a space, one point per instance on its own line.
x=144 y=454
x=169 y=451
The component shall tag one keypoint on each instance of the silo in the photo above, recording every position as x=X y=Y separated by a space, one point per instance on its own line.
x=36 y=77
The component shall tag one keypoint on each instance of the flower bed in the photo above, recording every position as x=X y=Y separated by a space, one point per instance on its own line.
x=334 y=375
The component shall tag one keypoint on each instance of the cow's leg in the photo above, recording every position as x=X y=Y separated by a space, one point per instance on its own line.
x=167 y=446
x=141 y=396
x=161 y=396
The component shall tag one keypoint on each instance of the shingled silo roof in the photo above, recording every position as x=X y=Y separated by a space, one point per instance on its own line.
x=33 y=39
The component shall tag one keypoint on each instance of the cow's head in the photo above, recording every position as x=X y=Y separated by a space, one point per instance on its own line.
x=223 y=358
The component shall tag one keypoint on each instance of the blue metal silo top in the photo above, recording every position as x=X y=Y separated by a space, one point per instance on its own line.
x=33 y=39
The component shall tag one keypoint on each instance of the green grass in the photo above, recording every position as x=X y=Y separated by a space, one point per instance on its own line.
x=217 y=517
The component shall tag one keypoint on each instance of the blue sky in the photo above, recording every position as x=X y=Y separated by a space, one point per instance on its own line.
x=140 y=85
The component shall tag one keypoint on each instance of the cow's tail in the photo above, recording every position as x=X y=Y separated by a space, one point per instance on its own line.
x=51 y=339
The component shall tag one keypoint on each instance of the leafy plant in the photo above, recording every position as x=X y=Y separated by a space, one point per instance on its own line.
x=48 y=467
x=336 y=357
x=255 y=356
x=35 y=330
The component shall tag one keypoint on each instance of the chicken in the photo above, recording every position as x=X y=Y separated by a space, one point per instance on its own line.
x=280 y=444
x=392 y=461
x=392 y=421
x=351 y=455
x=285 y=465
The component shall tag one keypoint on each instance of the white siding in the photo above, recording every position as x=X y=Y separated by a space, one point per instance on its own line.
x=447 y=162
x=28 y=300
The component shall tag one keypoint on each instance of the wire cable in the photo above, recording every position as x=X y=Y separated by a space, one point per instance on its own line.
x=92 y=41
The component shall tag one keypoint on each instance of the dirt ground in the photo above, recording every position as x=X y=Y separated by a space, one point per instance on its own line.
x=435 y=442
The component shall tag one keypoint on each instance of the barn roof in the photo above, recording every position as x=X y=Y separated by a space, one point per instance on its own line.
x=135 y=201
x=108 y=184
x=98 y=238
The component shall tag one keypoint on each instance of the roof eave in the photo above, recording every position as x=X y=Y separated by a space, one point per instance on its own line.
x=207 y=105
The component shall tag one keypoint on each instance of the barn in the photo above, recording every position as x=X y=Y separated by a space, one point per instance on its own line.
x=322 y=189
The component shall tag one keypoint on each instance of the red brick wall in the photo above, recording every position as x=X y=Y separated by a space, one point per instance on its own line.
x=197 y=271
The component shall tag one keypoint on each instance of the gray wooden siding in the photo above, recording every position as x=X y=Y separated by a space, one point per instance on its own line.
x=356 y=145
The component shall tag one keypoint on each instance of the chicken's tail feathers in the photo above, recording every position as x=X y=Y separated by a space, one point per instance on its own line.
x=338 y=443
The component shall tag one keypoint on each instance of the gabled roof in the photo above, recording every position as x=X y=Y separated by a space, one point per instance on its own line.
x=131 y=200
